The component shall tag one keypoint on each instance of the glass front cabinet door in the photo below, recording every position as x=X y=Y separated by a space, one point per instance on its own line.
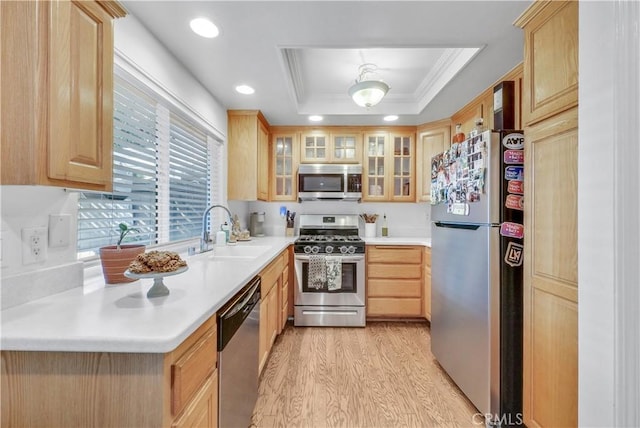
x=284 y=167
x=345 y=147
x=375 y=167
x=403 y=148
x=315 y=147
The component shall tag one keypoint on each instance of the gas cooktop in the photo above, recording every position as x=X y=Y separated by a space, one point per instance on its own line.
x=329 y=234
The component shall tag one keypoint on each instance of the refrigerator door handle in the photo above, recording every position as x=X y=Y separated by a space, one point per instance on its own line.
x=457 y=225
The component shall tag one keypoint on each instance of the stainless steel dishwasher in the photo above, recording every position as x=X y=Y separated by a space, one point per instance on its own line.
x=238 y=340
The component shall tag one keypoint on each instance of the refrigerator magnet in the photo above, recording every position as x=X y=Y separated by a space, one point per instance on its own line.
x=513 y=157
x=514 y=254
x=515 y=186
x=513 y=141
x=514 y=202
x=512 y=230
x=514 y=173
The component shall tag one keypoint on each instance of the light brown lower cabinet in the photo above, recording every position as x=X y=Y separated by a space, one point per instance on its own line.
x=64 y=389
x=273 y=289
x=394 y=281
x=284 y=297
x=427 y=283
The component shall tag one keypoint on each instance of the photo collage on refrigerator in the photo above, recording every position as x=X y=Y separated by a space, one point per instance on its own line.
x=458 y=174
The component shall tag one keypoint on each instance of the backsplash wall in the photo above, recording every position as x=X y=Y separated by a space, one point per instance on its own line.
x=403 y=219
x=30 y=206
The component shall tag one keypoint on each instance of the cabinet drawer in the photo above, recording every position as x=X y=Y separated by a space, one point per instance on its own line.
x=394 y=271
x=270 y=275
x=394 y=254
x=394 y=288
x=191 y=369
x=395 y=307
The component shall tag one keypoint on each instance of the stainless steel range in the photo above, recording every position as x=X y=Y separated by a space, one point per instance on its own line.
x=329 y=272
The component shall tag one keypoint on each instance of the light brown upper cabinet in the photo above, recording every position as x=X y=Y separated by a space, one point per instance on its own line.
x=314 y=147
x=248 y=153
x=284 y=152
x=550 y=59
x=346 y=146
x=57 y=93
x=374 y=172
x=433 y=138
x=331 y=145
x=389 y=166
x=550 y=279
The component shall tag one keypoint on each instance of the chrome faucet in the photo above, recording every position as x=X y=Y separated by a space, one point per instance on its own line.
x=204 y=237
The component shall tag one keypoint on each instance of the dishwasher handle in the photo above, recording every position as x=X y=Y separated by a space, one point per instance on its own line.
x=236 y=311
x=237 y=307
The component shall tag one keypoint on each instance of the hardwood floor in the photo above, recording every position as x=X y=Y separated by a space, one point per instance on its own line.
x=383 y=375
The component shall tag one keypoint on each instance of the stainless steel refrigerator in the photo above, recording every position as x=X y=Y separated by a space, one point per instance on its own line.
x=477 y=248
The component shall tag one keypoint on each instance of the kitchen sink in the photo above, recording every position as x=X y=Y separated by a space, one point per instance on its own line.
x=239 y=252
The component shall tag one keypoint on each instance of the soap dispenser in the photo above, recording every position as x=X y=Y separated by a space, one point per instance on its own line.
x=385 y=229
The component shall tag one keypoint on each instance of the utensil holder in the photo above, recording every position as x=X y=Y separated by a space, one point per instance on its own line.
x=369 y=230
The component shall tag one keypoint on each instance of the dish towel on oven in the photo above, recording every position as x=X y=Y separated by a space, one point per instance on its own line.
x=334 y=272
x=317 y=272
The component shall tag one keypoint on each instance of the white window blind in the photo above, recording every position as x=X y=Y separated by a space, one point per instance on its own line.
x=189 y=178
x=162 y=174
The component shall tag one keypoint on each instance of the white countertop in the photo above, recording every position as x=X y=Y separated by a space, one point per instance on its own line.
x=120 y=318
x=393 y=240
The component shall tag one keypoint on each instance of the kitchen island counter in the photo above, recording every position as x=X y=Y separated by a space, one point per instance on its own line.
x=120 y=318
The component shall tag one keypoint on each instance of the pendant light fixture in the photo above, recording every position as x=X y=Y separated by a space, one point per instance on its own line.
x=365 y=92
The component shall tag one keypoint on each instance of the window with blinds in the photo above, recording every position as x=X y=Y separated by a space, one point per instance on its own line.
x=162 y=175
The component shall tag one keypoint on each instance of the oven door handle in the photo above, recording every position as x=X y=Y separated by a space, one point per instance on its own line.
x=347 y=259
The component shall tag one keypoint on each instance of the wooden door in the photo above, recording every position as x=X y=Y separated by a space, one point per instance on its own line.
x=551 y=273
x=263 y=345
x=284 y=167
x=346 y=147
x=402 y=179
x=426 y=294
x=432 y=140
x=273 y=314
x=203 y=410
x=315 y=147
x=374 y=174
x=263 y=162
x=550 y=115
x=551 y=59
x=80 y=93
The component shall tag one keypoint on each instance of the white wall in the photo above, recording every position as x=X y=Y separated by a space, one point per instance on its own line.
x=403 y=219
x=30 y=206
x=608 y=213
x=133 y=41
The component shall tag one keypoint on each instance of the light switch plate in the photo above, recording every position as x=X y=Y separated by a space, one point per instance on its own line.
x=59 y=230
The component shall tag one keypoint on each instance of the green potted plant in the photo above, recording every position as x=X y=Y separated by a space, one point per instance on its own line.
x=115 y=259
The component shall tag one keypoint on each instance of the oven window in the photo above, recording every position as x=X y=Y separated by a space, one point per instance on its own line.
x=321 y=183
x=349 y=280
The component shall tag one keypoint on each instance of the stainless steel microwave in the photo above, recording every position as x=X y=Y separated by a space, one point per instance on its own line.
x=330 y=182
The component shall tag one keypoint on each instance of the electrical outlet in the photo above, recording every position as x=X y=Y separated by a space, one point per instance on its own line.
x=34 y=245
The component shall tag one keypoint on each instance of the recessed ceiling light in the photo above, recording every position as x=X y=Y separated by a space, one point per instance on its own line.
x=390 y=118
x=245 y=89
x=315 y=118
x=205 y=28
